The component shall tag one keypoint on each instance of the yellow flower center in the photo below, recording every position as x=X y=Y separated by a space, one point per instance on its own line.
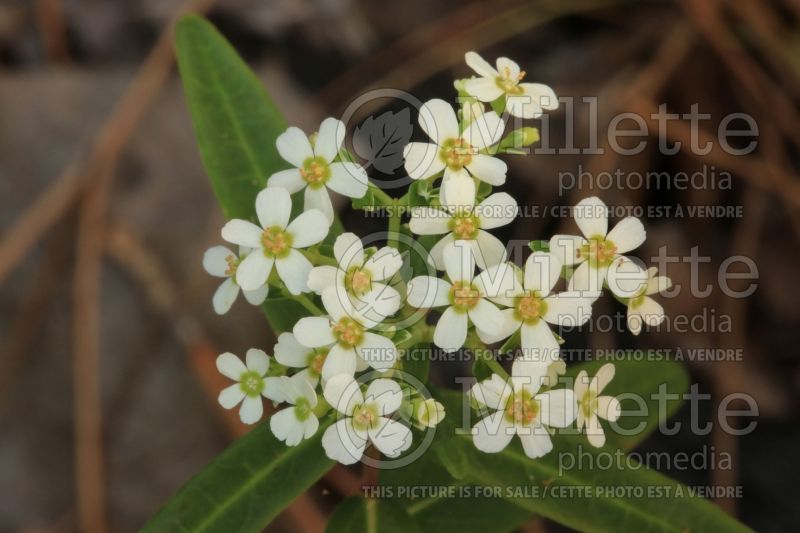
x=599 y=251
x=522 y=408
x=365 y=416
x=508 y=83
x=317 y=361
x=465 y=226
x=457 y=153
x=233 y=264
x=464 y=296
x=276 y=242
x=348 y=332
x=358 y=281
x=588 y=403
x=315 y=171
x=530 y=308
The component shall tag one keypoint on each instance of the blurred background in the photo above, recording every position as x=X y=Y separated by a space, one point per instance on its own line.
x=107 y=335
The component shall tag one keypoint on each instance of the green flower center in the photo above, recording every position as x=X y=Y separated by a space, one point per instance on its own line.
x=588 y=403
x=315 y=171
x=465 y=226
x=251 y=383
x=358 y=281
x=276 y=242
x=508 y=83
x=316 y=361
x=530 y=308
x=348 y=332
x=464 y=296
x=599 y=251
x=456 y=153
x=521 y=408
x=365 y=416
x=302 y=409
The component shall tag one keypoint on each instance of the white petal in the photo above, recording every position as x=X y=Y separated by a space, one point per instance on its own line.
x=625 y=278
x=329 y=139
x=594 y=432
x=480 y=65
x=293 y=271
x=459 y=262
x=322 y=277
x=458 y=192
x=391 y=438
x=451 y=331
x=538 y=342
x=243 y=233
x=488 y=250
x=256 y=296
x=378 y=351
x=273 y=207
x=224 y=296
x=627 y=235
x=438 y=120
x=348 y=179
x=289 y=179
x=510 y=325
x=558 y=408
x=257 y=361
x=215 y=261
x=568 y=309
x=591 y=215
x=230 y=396
x=340 y=361
x=493 y=433
x=484 y=89
x=230 y=366
x=497 y=210
x=429 y=221
x=528 y=374
x=504 y=63
x=603 y=377
x=384 y=263
x=542 y=95
x=286 y=427
x=422 y=160
x=657 y=284
x=310 y=427
x=427 y=291
x=649 y=312
x=343 y=393
x=499 y=283
x=566 y=248
x=587 y=280
x=337 y=304
x=522 y=106
x=320 y=200
x=289 y=352
x=251 y=410
x=489 y=169
x=608 y=408
x=493 y=392
x=487 y=316
x=293 y=146
x=380 y=303
x=542 y=270
x=436 y=255
x=314 y=332
x=342 y=443
x=348 y=251
x=253 y=272
x=536 y=442
x=484 y=131
x=386 y=394
x=582 y=382
x=308 y=228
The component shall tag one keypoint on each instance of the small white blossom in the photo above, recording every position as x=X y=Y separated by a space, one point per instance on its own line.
x=594 y=252
x=460 y=219
x=524 y=100
x=221 y=262
x=429 y=413
x=457 y=153
x=298 y=422
x=361 y=280
x=276 y=242
x=366 y=419
x=250 y=384
x=466 y=296
x=642 y=309
x=315 y=170
x=291 y=353
x=531 y=306
x=592 y=406
x=519 y=410
x=346 y=335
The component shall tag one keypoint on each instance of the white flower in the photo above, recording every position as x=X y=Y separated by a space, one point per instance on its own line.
x=347 y=336
x=554 y=369
x=293 y=424
x=429 y=413
x=360 y=280
x=458 y=153
x=531 y=307
x=291 y=353
x=465 y=295
x=221 y=262
x=366 y=419
x=315 y=169
x=276 y=241
x=641 y=308
x=592 y=406
x=524 y=100
x=519 y=410
x=250 y=384
x=598 y=248
x=460 y=219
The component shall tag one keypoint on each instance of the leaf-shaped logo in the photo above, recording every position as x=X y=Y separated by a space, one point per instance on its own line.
x=380 y=140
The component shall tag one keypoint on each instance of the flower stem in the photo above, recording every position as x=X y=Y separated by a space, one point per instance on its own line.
x=393 y=239
x=303 y=300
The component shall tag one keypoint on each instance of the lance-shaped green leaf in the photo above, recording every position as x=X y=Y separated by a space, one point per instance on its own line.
x=370 y=515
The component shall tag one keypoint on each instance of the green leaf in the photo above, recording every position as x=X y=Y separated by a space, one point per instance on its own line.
x=246 y=486
x=369 y=515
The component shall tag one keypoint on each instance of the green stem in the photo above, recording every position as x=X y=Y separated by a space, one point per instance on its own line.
x=303 y=300
x=318 y=259
x=394 y=225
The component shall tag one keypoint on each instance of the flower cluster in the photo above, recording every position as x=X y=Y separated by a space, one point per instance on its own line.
x=358 y=299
